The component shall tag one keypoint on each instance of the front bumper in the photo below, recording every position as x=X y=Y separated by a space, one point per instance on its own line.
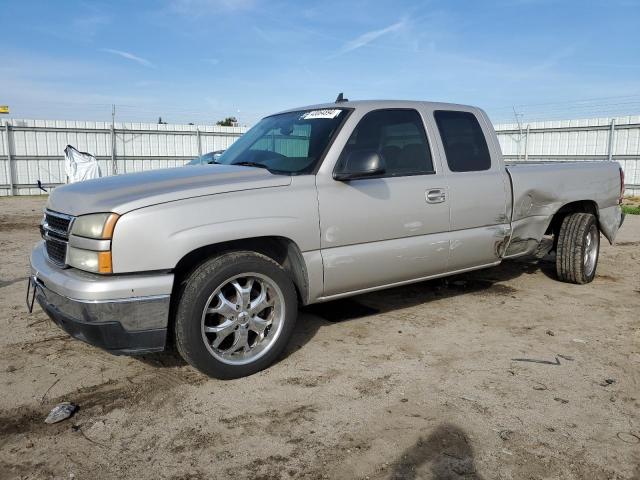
x=125 y=314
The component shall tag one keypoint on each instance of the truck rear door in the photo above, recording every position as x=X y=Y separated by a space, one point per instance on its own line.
x=478 y=188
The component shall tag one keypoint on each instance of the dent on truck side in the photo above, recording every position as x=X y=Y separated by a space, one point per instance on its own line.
x=157 y=237
x=540 y=191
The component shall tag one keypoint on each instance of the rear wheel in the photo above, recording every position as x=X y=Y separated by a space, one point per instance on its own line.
x=578 y=248
x=235 y=315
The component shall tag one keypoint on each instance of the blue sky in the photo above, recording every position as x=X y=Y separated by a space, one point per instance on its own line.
x=201 y=60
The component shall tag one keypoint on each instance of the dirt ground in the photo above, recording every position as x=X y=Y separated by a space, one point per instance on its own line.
x=416 y=382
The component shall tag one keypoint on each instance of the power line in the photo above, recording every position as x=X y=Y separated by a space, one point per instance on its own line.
x=593 y=99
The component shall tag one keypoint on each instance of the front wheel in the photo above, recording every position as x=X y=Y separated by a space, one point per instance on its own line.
x=578 y=248
x=235 y=315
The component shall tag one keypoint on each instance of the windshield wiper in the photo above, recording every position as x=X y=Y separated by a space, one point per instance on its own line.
x=251 y=164
x=258 y=165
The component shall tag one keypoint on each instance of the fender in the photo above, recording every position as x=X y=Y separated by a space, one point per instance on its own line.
x=159 y=236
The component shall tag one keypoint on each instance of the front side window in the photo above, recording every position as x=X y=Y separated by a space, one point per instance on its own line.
x=288 y=143
x=464 y=143
x=398 y=136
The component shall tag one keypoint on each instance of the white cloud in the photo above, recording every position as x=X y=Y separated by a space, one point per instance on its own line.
x=130 y=56
x=368 y=37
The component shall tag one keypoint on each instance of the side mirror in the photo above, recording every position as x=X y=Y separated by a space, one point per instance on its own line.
x=361 y=164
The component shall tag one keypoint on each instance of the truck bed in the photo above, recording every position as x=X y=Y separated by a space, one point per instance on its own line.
x=540 y=189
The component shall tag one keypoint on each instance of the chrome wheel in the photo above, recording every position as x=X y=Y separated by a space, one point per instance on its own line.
x=243 y=318
x=591 y=250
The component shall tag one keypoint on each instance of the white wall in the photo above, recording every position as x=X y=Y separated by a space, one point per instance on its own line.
x=586 y=139
x=37 y=146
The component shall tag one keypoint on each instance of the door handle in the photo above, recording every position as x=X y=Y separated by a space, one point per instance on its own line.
x=435 y=195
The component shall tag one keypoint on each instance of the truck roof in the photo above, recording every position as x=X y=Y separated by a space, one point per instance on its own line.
x=377 y=104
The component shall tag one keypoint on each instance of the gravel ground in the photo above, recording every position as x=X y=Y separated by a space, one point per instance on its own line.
x=415 y=382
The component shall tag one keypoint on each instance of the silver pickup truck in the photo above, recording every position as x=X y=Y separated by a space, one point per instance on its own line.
x=311 y=204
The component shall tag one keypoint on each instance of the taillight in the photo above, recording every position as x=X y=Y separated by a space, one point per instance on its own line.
x=621 y=185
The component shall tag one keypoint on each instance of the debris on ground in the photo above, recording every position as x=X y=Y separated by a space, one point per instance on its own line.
x=628 y=437
x=61 y=412
x=607 y=382
x=561 y=400
x=550 y=333
x=566 y=357
x=48 y=390
x=534 y=360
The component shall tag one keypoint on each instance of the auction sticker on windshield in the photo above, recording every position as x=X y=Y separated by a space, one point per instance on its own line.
x=314 y=114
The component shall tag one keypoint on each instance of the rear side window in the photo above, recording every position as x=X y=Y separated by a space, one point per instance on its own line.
x=399 y=138
x=464 y=143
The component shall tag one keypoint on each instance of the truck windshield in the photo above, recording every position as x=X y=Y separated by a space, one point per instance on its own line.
x=289 y=143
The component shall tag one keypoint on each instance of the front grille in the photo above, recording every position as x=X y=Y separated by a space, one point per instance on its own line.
x=57 y=251
x=57 y=223
x=55 y=231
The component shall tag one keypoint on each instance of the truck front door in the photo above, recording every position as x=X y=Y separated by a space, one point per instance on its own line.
x=389 y=229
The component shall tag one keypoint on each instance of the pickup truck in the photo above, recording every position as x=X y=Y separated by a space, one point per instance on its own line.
x=310 y=205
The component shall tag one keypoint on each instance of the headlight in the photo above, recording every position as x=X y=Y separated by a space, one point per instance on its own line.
x=88 y=249
x=97 y=225
x=88 y=260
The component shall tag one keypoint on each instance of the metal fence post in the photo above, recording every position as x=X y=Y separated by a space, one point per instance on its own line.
x=114 y=166
x=7 y=142
x=612 y=132
x=526 y=145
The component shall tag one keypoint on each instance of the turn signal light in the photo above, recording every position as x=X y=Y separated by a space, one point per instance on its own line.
x=104 y=262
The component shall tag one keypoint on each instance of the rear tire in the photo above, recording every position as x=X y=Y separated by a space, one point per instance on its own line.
x=578 y=248
x=235 y=315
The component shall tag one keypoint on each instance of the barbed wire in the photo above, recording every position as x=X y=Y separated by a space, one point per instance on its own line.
x=608 y=106
x=611 y=106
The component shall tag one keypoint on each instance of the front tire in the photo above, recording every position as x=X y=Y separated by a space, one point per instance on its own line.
x=235 y=315
x=578 y=248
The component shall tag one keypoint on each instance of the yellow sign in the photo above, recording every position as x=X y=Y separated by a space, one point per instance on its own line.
x=4 y=108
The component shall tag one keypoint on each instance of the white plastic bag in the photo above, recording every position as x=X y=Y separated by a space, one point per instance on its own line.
x=80 y=165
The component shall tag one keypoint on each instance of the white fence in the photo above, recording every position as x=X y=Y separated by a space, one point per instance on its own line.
x=615 y=139
x=32 y=150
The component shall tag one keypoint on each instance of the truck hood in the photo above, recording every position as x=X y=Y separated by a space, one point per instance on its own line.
x=123 y=193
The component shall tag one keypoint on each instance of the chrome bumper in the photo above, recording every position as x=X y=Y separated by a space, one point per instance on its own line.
x=122 y=314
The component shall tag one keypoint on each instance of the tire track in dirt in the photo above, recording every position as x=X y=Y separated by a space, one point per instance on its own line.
x=132 y=392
